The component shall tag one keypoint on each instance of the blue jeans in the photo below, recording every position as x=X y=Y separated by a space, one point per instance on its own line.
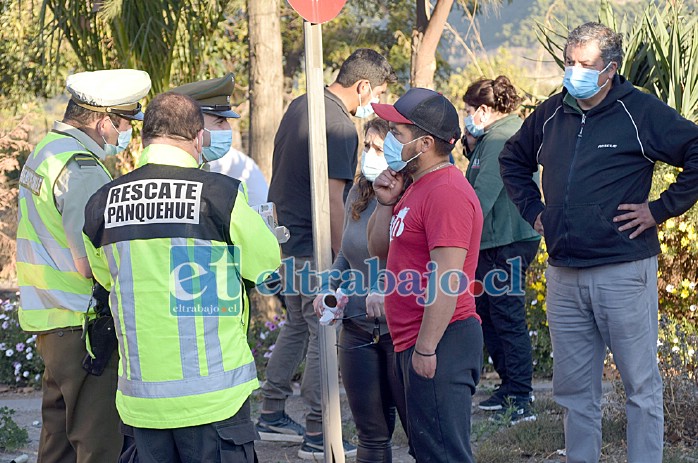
x=439 y=408
x=504 y=316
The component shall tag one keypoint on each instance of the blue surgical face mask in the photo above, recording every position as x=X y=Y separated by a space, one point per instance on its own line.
x=122 y=142
x=475 y=130
x=392 y=150
x=221 y=140
x=365 y=111
x=583 y=83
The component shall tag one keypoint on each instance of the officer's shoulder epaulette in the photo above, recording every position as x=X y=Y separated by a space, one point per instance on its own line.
x=85 y=160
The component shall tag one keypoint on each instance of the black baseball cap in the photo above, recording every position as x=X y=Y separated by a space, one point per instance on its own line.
x=425 y=108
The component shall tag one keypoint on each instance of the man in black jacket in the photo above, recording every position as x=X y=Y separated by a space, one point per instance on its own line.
x=598 y=141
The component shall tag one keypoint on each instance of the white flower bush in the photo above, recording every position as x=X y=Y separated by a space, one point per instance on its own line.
x=19 y=365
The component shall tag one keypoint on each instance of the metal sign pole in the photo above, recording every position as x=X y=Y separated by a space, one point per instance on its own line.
x=331 y=417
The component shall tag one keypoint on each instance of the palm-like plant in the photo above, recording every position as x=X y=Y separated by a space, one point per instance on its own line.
x=163 y=37
x=674 y=50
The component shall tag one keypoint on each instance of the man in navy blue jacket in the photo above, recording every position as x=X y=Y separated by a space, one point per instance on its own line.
x=598 y=141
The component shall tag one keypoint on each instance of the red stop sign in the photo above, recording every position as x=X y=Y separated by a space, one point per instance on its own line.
x=317 y=11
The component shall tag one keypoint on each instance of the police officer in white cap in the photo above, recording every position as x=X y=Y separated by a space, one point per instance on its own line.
x=80 y=421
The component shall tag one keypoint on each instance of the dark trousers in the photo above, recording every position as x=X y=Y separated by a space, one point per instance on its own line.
x=78 y=410
x=373 y=391
x=439 y=408
x=227 y=441
x=504 y=316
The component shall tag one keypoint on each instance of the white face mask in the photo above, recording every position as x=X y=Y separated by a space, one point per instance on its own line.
x=372 y=164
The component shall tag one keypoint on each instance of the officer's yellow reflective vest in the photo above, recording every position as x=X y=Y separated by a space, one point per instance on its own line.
x=53 y=294
x=161 y=241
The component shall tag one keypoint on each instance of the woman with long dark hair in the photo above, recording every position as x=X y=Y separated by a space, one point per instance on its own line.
x=366 y=354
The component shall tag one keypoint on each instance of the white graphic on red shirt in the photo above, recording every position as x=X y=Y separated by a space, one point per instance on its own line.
x=397 y=223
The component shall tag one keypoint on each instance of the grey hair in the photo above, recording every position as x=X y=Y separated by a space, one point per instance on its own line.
x=610 y=43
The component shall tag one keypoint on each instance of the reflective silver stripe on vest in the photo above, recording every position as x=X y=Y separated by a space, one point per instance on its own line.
x=214 y=353
x=48 y=242
x=49 y=251
x=187 y=325
x=185 y=387
x=187 y=332
x=52 y=148
x=114 y=305
x=193 y=382
x=32 y=298
x=35 y=253
x=124 y=275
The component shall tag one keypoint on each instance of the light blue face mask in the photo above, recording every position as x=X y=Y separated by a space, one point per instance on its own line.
x=392 y=151
x=583 y=83
x=221 y=140
x=122 y=142
x=475 y=130
x=365 y=111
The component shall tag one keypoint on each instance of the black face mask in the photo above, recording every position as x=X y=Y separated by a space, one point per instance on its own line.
x=467 y=152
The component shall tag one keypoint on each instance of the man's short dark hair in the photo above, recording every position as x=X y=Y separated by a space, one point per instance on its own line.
x=442 y=147
x=172 y=115
x=366 y=64
x=610 y=43
x=85 y=117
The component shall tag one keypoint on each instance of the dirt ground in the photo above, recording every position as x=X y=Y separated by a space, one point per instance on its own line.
x=27 y=408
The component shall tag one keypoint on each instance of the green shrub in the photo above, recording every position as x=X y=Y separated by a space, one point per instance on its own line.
x=536 y=315
x=20 y=363
x=678 y=266
x=11 y=435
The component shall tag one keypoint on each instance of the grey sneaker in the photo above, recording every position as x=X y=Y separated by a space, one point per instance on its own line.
x=313 y=448
x=283 y=429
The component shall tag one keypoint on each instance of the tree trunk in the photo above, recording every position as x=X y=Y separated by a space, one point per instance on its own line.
x=266 y=102
x=425 y=39
x=266 y=79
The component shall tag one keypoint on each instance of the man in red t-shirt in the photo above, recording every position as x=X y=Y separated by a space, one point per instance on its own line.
x=431 y=237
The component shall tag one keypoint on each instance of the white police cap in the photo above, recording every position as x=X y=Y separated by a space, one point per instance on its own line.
x=114 y=91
